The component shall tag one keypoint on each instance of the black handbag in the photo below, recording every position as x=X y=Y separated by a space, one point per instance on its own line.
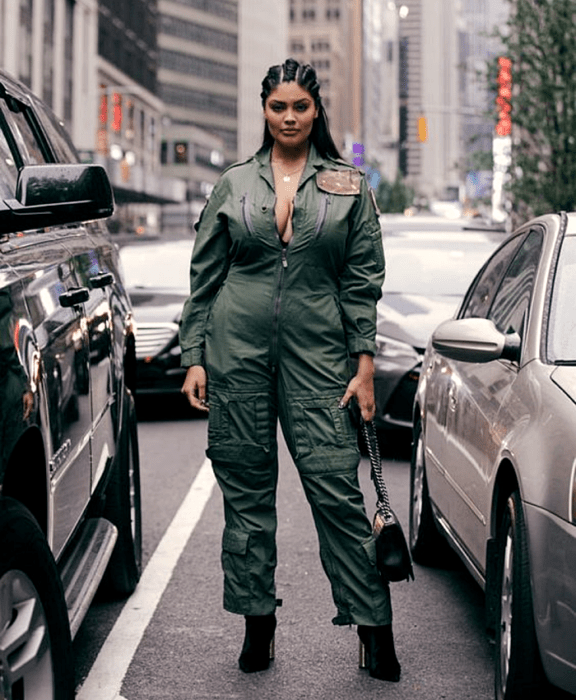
x=392 y=556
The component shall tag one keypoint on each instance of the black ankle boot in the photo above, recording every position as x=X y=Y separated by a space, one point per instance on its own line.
x=381 y=658
x=256 y=651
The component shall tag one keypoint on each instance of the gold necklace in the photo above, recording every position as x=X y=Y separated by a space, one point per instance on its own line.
x=286 y=175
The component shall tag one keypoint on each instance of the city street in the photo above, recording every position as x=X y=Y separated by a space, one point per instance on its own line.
x=173 y=640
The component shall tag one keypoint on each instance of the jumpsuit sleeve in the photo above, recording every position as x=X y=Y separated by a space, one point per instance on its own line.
x=363 y=275
x=208 y=269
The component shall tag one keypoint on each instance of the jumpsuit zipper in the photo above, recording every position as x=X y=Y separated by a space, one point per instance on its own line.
x=278 y=297
x=246 y=216
x=322 y=213
x=276 y=310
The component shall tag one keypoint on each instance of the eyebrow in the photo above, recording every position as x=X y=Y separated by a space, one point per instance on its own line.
x=303 y=100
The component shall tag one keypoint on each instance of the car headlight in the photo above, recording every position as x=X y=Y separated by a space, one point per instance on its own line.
x=391 y=348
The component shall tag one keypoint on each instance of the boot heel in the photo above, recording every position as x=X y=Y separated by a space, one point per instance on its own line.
x=362 y=656
x=272 y=648
x=258 y=647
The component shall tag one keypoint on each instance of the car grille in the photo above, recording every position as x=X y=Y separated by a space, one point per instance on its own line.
x=152 y=338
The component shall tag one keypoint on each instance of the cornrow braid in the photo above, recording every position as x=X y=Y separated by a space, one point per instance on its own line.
x=305 y=76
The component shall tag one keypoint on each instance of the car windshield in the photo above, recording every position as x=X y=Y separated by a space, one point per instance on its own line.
x=562 y=321
x=432 y=264
x=158 y=266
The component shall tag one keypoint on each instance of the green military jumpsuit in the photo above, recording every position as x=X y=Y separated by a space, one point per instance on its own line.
x=274 y=325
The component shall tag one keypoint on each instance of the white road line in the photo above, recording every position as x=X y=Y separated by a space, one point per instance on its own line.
x=106 y=675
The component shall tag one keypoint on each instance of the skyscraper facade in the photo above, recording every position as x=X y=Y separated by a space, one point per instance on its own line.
x=328 y=35
x=198 y=66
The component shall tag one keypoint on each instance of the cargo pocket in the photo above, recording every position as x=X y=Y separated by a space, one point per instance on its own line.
x=321 y=429
x=234 y=564
x=239 y=419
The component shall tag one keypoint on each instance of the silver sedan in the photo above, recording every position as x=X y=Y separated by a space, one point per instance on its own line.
x=494 y=462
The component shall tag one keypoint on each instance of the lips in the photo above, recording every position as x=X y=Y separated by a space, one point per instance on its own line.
x=289 y=132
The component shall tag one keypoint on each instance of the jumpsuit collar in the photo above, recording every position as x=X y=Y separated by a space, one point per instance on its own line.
x=314 y=163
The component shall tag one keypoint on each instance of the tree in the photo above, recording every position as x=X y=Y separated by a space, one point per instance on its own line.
x=540 y=40
x=394 y=197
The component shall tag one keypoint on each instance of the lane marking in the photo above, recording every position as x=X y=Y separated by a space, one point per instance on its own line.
x=107 y=673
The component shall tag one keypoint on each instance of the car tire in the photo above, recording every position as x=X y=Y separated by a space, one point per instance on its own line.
x=519 y=673
x=124 y=509
x=36 y=659
x=426 y=544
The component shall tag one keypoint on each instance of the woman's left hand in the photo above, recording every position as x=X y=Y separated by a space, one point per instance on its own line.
x=361 y=387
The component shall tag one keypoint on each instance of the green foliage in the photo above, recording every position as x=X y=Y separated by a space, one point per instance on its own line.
x=395 y=197
x=541 y=43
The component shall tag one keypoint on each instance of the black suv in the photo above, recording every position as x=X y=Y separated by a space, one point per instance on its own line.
x=70 y=518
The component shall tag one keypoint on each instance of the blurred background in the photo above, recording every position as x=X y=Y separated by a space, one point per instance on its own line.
x=166 y=93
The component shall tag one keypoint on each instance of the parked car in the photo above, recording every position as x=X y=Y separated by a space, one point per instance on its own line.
x=157 y=278
x=494 y=463
x=427 y=272
x=69 y=482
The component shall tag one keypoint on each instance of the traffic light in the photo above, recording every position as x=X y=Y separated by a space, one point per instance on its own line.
x=504 y=97
x=422 y=129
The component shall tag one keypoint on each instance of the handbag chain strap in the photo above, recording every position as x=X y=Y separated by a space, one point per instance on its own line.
x=371 y=439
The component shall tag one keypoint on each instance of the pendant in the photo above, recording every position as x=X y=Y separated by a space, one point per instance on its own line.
x=286 y=178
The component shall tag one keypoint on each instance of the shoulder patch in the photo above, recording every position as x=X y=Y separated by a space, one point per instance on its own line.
x=339 y=181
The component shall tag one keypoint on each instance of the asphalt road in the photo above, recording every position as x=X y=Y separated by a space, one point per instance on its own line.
x=173 y=640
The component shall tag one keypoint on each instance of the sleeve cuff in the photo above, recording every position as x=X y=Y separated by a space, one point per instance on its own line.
x=194 y=356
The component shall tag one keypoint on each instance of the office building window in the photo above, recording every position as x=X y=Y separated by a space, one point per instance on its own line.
x=199 y=34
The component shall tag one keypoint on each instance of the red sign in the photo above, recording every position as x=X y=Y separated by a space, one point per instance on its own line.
x=504 y=98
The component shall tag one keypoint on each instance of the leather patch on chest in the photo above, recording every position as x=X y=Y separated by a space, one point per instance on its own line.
x=339 y=181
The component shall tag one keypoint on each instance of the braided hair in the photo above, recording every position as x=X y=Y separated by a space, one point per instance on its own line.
x=305 y=76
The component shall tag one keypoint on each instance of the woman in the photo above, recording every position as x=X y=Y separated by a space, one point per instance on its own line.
x=286 y=271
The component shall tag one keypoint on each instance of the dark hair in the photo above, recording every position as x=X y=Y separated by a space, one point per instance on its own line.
x=305 y=75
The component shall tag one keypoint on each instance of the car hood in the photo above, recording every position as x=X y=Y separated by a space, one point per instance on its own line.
x=157 y=305
x=411 y=318
x=565 y=378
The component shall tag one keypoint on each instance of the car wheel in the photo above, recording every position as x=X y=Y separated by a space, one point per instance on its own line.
x=36 y=661
x=519 y=674
x=124 y=509
x=426 y=543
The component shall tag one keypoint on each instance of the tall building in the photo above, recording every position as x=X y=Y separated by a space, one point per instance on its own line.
x=478 y=47
x=130 y=113
x=430 y=121
x=263 y=42
x=50 y=45
x=380 y=82
x=328 y=35
x=198 y=66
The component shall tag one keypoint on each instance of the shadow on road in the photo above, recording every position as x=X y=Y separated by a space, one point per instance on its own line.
x=165 y=407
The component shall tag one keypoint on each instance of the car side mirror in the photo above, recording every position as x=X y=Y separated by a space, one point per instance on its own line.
x=54 y=194
x=475 y=340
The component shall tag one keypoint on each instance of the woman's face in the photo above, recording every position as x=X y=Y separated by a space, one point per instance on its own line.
x=290 y=112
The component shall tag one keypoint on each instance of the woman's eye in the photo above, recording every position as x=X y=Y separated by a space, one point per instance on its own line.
x=301 y=108
x=277 y=108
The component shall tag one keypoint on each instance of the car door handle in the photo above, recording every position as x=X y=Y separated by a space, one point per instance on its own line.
x=74 y=296
x=103 y=279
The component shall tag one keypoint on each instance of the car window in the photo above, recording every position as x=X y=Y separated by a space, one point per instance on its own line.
x=562 y=320
x=8 y=169
x=24 y=129
x=58 y=136
x=512 y=300
x=480 y=296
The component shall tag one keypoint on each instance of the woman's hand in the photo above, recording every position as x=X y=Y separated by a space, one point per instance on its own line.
x=194 y=387
x=361 y=387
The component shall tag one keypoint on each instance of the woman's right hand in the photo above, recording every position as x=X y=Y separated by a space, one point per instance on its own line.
x=194 y=387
